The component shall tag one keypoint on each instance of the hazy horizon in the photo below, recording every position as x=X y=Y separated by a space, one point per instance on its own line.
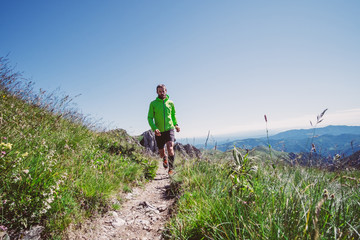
x=219 y=139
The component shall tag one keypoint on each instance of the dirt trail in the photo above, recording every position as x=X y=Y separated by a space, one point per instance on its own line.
x=141 y=217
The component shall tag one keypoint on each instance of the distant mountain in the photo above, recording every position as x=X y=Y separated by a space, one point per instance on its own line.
x=307 y=133
x=328 y=141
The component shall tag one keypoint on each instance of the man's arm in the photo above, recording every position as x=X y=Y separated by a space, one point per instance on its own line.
x=151 y=118
x=173 y=117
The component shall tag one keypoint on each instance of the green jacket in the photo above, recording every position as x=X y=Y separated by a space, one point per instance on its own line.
x=163 y=112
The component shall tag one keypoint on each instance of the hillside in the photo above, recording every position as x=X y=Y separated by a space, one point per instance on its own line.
x=55 y=169
x=331 y=140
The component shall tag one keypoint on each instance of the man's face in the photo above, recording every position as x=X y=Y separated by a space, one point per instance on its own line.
x=161 y=91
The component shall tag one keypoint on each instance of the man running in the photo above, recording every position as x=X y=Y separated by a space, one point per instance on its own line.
x=162 y=110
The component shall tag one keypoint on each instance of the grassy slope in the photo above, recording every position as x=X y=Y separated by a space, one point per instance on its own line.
x=221 y=200
x=55 y=171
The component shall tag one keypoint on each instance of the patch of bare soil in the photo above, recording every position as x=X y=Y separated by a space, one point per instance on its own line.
x=142 y=216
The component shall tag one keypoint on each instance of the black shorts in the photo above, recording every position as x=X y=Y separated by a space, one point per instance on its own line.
x=164 y=138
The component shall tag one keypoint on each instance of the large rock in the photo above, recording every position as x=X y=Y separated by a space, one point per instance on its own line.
x=149 y=142
x=188 y=150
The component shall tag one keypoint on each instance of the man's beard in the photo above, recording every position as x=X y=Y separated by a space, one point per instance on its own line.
x=162 y=97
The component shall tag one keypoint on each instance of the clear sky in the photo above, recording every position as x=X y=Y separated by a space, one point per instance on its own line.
x=225 y=63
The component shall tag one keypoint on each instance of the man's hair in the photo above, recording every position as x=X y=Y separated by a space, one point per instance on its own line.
x=160 y=86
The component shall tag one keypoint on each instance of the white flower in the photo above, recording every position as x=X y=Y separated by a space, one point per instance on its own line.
x=336 y=157
x=6 y=145
x=50 y=200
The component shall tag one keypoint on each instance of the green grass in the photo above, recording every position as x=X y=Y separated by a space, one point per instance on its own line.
x=282 y=203
x=55 y=169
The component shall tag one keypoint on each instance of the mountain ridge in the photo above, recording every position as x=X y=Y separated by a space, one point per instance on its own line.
x=328 y=140
x=334 y=130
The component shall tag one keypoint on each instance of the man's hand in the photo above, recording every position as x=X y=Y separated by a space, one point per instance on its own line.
x=157 y=132
x=177 y=128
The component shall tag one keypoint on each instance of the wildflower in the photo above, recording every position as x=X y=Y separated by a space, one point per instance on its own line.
x=26 y=171
x=8 y=145
x=25 y=154
x=50 y=200
x=43 y=211
x=325 y=193
x=3 y=228
x=336 y=157
x=16 y=179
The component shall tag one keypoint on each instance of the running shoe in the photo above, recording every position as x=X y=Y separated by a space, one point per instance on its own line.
x=165 y=162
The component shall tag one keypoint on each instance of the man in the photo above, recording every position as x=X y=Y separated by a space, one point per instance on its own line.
x=162 y=110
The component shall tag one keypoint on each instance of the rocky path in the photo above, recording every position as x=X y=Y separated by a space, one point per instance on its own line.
x=141 y=217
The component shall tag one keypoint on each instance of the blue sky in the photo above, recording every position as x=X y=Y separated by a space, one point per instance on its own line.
x=225 y=63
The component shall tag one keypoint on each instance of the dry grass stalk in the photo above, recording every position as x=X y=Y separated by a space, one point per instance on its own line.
x=317 y=213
